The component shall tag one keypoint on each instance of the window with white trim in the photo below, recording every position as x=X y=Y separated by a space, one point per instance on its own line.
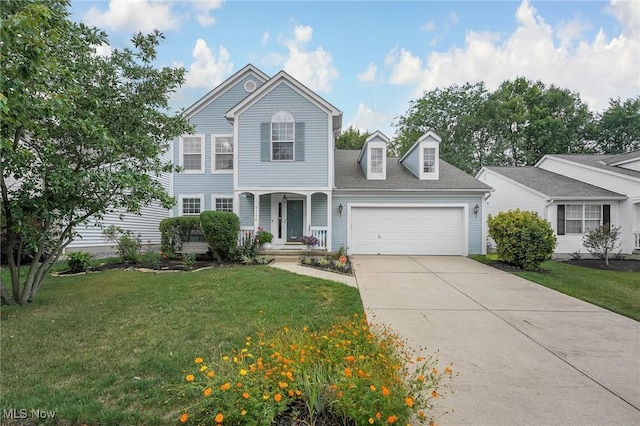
x=223 y=204
x=429 y=160
x=192 y=153
x=222 y=153
x=191 y=205
x=377 y=160
x=582 y=218
x=282 y=136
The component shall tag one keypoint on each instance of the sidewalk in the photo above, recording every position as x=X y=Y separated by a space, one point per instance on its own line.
x=291 y=265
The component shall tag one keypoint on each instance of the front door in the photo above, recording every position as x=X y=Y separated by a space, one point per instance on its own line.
x=295 y=220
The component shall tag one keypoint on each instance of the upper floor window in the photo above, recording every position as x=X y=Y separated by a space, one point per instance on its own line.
x=429 y=160
x=377 y=160
x=223 y=153
x=282 y=136
x=192 y=153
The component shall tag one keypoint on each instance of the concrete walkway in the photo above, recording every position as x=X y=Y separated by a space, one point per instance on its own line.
x=527 y=355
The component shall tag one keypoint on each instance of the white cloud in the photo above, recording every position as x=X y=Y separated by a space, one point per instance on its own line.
x=314 y=68
x=265 y=39
x=429 y=26
x=370 y=120
x=208 y=71
x=133 y=15
x=203 y=9
x=369 y=74
x=103 y=50
x=598 y=69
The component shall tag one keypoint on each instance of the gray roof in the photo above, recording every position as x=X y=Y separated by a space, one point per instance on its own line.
x=599 y=161
x=633 y=155
x=349 y=175
x=552 y=184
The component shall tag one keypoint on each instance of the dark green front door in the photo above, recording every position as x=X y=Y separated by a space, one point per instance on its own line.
x=295 y=220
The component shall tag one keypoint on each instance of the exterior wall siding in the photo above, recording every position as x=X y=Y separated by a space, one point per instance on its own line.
x=508 y=196
x=474 y=224
x=265 y=212
x=312 y=172
x=246 y=210
x=364 y=161
x=319 y=210
x=412 y=162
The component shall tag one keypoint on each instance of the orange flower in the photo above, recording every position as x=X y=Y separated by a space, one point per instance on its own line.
x=373 y=388
x=447 y=370
x=409 y=401
x=391 y=419
x=283 y=385
x=189 y=378
x=207 y=391
x=198 y=360
x=378 y=415
x=434 y=393
x=225 y=386
x=277 y=397
x=385 y=391
x=219 y=418
x=347 y=372
x=245 y=395
x=420 y=378
x=184 y=417
x=210 y=374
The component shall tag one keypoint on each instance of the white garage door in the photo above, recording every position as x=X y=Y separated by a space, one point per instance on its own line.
x=407 y=230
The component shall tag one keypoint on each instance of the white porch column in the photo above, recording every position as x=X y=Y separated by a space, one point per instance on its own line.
x=256 y=211
x=329 y=220
x=308 y=214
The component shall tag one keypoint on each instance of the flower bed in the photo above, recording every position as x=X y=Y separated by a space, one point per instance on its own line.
x=341 y=264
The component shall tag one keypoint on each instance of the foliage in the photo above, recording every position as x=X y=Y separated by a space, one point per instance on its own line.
x=618 y=127
x=359 y=372
x=82 y=133
x=352 y=138
x=310 y=240
x=330 y=263
x=151 y=259
x=248 y=249
x=523 y=238
x=221 y=232
x=79 y=261
x=188 y=260
x=602 y=241
x=263 y=236
x=176 y=230
x=128 y=245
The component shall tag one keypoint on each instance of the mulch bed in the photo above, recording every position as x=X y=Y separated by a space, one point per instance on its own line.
x=623 y=265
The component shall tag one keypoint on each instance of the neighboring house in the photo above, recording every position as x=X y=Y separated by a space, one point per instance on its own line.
x=575 y=192
x=264 y=148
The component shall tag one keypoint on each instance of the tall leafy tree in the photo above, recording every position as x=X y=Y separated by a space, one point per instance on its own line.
x=618 y=127
x=352 y=138
x=454 y=113
x=81 y=134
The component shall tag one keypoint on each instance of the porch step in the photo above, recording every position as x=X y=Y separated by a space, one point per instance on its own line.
x=291 y=254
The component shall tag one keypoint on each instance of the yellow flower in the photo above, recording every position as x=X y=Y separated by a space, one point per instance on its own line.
x=225 y=358
x=198 y=360
x=184 y=417
x=243 y=412
x=219 y=418
x=189 y=378
x=373 y=388
x=204 y=368
x=243 y=372
x=371 y=421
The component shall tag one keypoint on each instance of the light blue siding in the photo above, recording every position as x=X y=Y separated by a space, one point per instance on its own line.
x=412 y=162
x=364 y=161
x=319 y=210
x=246 y=210
x=312 y=172
x=474 y=224
x=265 y=212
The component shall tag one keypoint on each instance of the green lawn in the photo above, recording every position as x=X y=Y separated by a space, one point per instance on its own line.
x=101 y=348
x=617 y=291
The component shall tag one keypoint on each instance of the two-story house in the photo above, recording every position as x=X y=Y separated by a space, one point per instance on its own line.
x=264 y=148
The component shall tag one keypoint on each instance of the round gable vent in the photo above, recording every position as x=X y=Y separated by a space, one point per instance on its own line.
x=250 y=86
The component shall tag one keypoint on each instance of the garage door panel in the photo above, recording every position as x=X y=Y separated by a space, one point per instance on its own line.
x=407 y=230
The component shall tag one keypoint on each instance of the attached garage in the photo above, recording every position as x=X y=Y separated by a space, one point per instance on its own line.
x=407 y=230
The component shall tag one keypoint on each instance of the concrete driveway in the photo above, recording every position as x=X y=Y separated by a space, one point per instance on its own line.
x=526 y=354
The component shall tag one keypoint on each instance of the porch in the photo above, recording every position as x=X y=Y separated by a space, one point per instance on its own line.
x=288 y=215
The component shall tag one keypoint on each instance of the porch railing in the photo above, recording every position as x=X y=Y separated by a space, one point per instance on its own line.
x=246 y=233
x=320 y=232
x=636 y=240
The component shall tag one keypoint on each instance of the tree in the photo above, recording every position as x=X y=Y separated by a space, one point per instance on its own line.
x=602 y=241
x=352 y=138
x=456 y=115
x=618 y=127
x=81 y=134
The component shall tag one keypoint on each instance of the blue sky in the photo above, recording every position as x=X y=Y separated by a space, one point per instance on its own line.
x=370 y=58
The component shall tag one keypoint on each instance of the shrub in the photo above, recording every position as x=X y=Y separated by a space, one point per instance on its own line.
x=188 y=260
x=353 y=372
x=523 y=238
x=221 y=232
x=249 y=248
x=127 y=244
x=175 y=230
x=602 y=241
x=79 y=261
x=264 y=236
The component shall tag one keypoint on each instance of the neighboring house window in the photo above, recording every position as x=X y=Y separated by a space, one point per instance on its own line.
x=192 y=153
x=582 y=218
x=191 y=205
x=223 y=153
x=282 y=136
x=429 y=160
x=376 y=160
x=223 y=204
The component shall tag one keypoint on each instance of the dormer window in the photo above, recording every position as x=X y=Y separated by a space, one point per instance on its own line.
x=423 y=158
x=429 y=160
x=373 y=156
x=377 y=160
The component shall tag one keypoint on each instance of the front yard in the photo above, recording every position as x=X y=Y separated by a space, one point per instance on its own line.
x=617 y=291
